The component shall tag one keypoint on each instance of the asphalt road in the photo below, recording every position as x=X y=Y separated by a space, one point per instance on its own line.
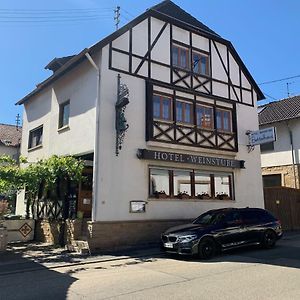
x=245 y=274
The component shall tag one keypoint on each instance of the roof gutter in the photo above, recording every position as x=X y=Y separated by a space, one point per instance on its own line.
x=96 y=139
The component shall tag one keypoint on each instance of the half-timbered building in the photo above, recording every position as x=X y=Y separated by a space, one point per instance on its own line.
x=167 y=134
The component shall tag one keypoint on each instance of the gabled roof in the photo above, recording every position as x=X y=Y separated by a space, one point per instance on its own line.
x=10 y=135
x=170 y=9
x=166 y=10
x=283 y=110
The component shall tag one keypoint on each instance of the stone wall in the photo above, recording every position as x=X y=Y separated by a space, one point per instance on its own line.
x=51 y=231
x=287 y=174
x=48 y=231
x=103 y=236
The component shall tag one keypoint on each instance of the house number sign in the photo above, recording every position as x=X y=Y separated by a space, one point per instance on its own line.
x=190 y=159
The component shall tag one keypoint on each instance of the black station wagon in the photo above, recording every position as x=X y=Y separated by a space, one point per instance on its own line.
x=222 y=229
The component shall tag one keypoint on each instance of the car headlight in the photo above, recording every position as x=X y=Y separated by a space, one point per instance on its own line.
x=187 y=238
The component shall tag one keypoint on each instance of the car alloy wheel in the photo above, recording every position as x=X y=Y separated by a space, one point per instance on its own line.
x=269 y=239
x=207 y=248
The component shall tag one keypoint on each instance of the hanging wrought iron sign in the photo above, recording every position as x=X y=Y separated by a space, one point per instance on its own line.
x=121 y=122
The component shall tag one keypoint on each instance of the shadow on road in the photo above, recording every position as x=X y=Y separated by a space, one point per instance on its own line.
x=22 y=278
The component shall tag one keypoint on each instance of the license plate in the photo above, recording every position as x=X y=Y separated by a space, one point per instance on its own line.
x=168 y=245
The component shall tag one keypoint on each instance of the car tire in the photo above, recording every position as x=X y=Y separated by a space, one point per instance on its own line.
x=207 y=248
x=269 y=239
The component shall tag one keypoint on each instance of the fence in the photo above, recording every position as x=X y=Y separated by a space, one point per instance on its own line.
x=284 y=203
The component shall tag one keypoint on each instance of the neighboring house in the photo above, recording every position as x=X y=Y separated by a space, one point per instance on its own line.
x=10 y=140
x=192 y=100
x=280 y=159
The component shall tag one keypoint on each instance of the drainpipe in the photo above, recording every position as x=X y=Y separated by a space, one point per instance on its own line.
x=292 y=152
x=97 y=141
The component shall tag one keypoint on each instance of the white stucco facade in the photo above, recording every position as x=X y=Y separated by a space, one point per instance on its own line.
x=282 y=153
x=125 y=178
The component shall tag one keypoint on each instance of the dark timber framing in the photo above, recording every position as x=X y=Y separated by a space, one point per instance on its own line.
x=189 y=134
x=186 y=79
x=79 y=58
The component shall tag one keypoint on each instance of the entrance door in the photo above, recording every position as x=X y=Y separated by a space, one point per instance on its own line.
x=85 y=193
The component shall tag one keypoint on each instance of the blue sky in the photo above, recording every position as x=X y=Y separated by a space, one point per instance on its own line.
x=265 y=33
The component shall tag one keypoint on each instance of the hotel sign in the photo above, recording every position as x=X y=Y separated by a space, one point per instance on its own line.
x=190 y=159
x=262 y=136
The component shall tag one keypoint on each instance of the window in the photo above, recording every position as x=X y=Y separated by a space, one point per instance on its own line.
x=64 y=114
x=222 y=184
x=182 y=183
x=159 y=182
x=223 y=119
x=202 y=185
x=205 y=116
x=190 y=184
x=162 y=107
x=272 y=180
x=233 y=218
x=184 y=112
x=180 y=57
x=200 y=64
x=251 y=216
x=267 y=147
x=35 y=137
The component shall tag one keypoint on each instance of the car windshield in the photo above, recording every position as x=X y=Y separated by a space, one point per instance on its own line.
x=210 y=218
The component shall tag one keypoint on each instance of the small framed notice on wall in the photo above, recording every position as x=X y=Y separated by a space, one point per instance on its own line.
x=137 y=206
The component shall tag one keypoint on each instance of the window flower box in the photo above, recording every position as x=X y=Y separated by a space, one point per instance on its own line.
x=223 y=196
x=203 y=196
x=161 y=194
x=183 y=195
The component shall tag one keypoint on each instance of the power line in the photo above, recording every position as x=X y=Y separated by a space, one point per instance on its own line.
x=69 y=10
x=128 y=13
x=51 y=17
x=269 y=96
x=278 y=80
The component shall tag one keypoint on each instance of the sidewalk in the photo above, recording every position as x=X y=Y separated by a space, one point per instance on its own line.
x=25 y=257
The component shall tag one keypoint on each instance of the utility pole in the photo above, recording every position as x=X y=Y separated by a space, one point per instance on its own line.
x=288 y=88
x=117 y=17
x=18 y=121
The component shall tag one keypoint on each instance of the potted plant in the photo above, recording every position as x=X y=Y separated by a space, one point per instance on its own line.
x=203 y=196
x=183 y=195
x=222 y=196
x=3 y=230
x=160 y=194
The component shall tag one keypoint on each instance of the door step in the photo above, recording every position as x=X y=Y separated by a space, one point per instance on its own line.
x=79 y=246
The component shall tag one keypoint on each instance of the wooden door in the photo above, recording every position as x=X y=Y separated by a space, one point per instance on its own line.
x=85 y=193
